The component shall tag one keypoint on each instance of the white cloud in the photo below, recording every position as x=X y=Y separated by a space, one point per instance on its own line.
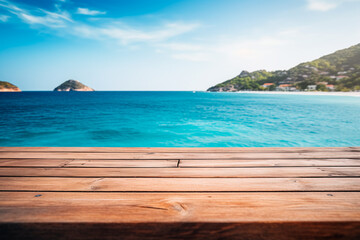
x=325 y=5
x=11 y=7
x=125 y=34
x=38 y=16
x=250 y=48
x=48 y=19
x=238 y=48
x=321 y=5
x=86 y=11
x=108 y=29
x=4 y=18
x=230 y=48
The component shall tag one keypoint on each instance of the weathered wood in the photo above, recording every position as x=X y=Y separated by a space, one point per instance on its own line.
x=84 y=163
x=123 y=163
x=177 y=193
x=178 y=184
x=87 y=163
x=178 y=207
x=33 y=162
x=205 y=156
x=184 y=230
x=268 y=163
x=179 y=150
x=264 y=172
x=39 y=215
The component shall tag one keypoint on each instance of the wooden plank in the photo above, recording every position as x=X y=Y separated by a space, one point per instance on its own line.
x=267 y=172
x=179 y=150
x=122 y=163
x=216 y=163
x=183 y=230
x=278 y=216
x=178 y=207
x=90 y=193
x=155 y=155
x=173 y=163
x=33 y=162
x=178 y=184
x=86 y=163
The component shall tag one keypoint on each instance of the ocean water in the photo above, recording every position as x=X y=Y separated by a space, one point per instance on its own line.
x=177 y=119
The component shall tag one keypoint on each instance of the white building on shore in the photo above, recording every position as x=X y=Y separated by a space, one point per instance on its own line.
x=311 y=87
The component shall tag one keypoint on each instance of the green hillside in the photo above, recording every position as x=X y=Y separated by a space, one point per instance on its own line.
x=341 y=69
x=72 y=85
x=7 y=85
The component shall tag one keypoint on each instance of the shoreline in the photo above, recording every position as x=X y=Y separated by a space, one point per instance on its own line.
x=346 y=94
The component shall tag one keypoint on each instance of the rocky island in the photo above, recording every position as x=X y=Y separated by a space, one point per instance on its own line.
x=339 y=71
x=73 y=85
x=8 y=87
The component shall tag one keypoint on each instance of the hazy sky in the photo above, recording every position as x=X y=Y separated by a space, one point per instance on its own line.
x=165 y=44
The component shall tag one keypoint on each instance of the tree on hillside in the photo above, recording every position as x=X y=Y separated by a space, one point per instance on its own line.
x=321 y=87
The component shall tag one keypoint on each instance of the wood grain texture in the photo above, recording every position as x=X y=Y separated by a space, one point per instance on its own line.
x=180 y=193
x=178 y=184
x=84 y=163
x=184 y=230
x=87 y=163
x=42 y=215
x=178 y=207
x=267 y=163
x=264 y=172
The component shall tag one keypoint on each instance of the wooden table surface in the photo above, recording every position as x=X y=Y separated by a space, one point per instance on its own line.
x=179 y=193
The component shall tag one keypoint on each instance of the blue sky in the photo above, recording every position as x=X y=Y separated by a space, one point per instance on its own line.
x=164 y=44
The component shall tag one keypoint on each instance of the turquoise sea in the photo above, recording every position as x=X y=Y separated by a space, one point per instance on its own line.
x=177 y=119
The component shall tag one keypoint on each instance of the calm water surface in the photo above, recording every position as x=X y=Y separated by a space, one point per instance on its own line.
x=177 y=119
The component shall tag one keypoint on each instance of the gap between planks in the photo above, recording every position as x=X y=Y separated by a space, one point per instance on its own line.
x=85 y=163
x=260 y=172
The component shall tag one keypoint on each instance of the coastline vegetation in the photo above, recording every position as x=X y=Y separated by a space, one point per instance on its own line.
x=6 y=86
x=339 y=71
x=72 y=85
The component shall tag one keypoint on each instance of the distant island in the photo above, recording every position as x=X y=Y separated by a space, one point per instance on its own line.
x=339 y=71
x=8 y=87
x=72 y=85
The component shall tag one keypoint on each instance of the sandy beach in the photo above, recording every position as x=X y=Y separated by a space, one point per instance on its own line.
x=348 y=94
